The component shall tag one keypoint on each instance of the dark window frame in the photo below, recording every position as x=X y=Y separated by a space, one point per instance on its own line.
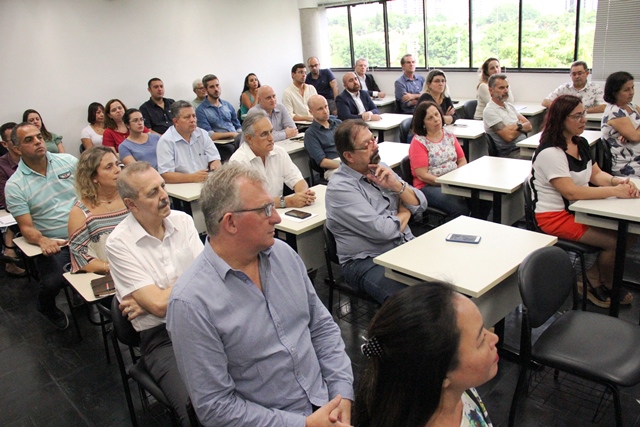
x=518 y=69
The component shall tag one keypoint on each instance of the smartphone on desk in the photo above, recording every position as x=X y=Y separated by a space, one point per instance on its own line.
x=463 y=238
x=298 y=214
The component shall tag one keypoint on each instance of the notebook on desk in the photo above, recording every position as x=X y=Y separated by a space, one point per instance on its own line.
x=103 y=286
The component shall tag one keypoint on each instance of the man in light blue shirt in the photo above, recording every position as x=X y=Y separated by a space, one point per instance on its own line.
x=408 y=86
x=185 y=152
x=283 y=125
x=368 y=210
x=218 y=117
x=40 y=195
x=253 y=342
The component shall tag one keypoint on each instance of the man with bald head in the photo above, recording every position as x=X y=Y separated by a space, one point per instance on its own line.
x=354 y=103
x=318 y=139
x=283 y=125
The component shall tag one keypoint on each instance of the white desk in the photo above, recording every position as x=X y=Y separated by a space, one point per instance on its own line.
x=386 y=104
x=486 y=271
x=82 y=284
x=530 y=145
x=622 y=215
x=533 y=111
x=392 y=153
x=472 y=134
x=297 y=152
x=306 y=237
x=389 y=121
x=189 y=192
x=594 y=120
x=491 y=178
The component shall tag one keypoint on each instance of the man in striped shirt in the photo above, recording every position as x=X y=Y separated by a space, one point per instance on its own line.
x=40 y=195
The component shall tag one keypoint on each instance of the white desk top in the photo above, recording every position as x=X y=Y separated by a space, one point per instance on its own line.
x=82 y=283
x=223 y=141
x=188 y=191
x=298 y=227
x=594 y=117
x=302 y=122
x=467 y=129
x=389 y=121
x=473 y=269
x=29 y=249
x=487 y=173
x=392 y=153
x=292 y=146
x=387 y=100
x=533 y=141
x=530 y=108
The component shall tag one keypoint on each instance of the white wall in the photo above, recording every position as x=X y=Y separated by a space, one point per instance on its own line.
x=59 y=56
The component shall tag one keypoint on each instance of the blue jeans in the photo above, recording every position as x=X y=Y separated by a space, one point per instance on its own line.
x=455 y=206
x=50 y=270
x=369 y=278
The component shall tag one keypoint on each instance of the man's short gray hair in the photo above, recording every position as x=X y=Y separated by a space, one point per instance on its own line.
x=253 y=117
x=195 y=83
x=125 y=189
x=492 y=80
x=221 y=192
x=177 y=106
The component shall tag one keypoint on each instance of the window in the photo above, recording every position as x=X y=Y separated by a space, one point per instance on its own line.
x=523 y=34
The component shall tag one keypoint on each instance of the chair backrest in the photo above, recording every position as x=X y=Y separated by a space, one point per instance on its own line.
x=331 y=250
x=123 y=327
x=492 y=148
x=469 y=108
x=529 y=213
x=313 y=166
x=405 y=130
x=603 y=155
x=405 y=170
x=546 y=278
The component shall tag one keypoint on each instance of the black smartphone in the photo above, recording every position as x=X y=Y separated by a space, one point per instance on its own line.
x=463 y=238
x=298 y=214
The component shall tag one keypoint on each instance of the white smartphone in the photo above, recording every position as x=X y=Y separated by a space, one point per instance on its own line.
x=463 y=238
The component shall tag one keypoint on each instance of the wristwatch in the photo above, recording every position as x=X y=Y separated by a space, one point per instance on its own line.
x=283 y=203
x=519 y=127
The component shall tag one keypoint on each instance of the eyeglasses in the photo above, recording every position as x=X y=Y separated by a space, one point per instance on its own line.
x=373 y=140
x=268 y=210
x=578 y=116
x=578 y=73
x=139 y=120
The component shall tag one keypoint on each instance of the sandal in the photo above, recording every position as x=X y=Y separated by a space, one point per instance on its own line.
x=599 y=296
x=625 y=297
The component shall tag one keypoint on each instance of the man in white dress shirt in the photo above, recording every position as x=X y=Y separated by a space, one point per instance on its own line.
x=260 y=152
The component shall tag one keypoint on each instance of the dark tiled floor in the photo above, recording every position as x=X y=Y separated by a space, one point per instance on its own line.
x=50 y=378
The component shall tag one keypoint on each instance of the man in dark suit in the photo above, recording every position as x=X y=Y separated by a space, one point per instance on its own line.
x=354 y=103
x=367 y=82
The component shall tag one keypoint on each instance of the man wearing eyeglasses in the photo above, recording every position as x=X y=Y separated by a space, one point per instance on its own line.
x=368 y=210
x=590 y=93
x=261 y=153
x=253 y=341
x=147 y=252
x=502 y=122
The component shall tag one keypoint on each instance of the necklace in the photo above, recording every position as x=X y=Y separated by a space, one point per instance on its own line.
x=108 y=201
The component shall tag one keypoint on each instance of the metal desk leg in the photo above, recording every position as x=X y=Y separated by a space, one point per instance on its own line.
x=618 y=270
x=497 y=208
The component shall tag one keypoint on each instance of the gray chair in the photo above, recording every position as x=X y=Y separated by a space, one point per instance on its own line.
x=405 y=130
x=331 y=257
x=123 y=332
x=469 y=109
x=592 y=346
x=492 y=148
x=603 y=155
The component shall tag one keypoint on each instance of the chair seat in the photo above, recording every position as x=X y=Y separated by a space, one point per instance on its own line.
x=572 y=246
x=593 y=346
x=141 y=375
x=435 y=211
